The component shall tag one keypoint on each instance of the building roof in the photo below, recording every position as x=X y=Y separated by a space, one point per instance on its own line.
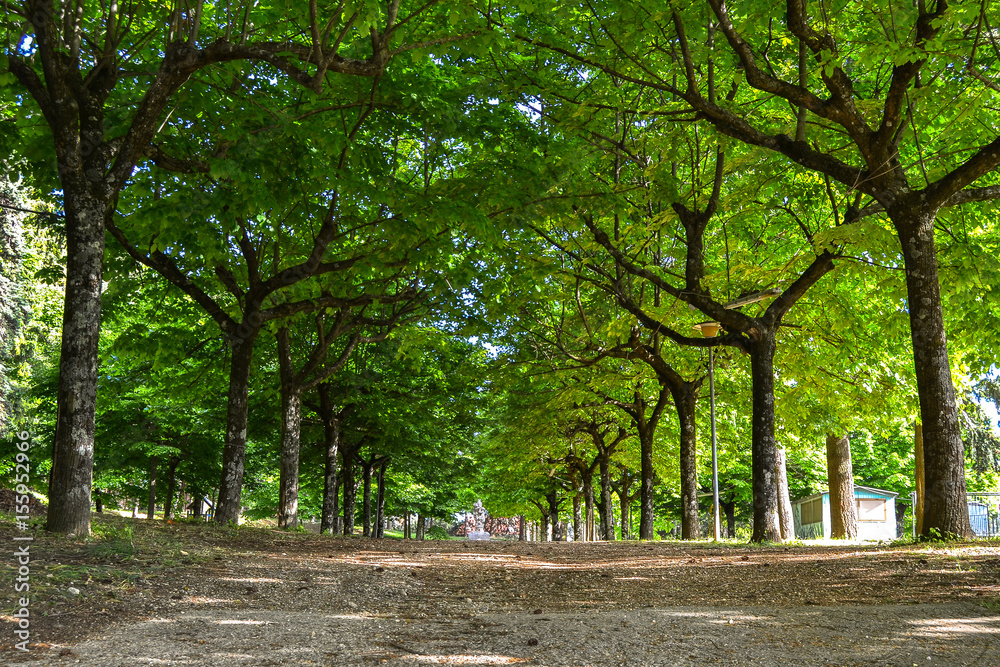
x=869 y=489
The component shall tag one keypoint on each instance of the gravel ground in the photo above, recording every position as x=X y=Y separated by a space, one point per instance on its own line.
x=933 y=634
x=272 y=598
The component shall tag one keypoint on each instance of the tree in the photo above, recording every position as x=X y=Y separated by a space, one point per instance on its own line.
x=76 y=64
x=887 y=88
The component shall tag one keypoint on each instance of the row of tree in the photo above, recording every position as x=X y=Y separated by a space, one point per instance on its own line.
x=570 y=185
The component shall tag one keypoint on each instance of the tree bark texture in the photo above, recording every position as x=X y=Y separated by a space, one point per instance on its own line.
x=785 y=520
x=380 y=500
x=766 y=527
x=421 y=520
x=76 y=396
x=522 y=532
x=291 y=429
x=234 y=451
x=840 y=473
x=647 y=480
x=918 y=473
x=946 y=511
x=331 y=447
x=686 y=401
x=588 y=500
x=350 y=489
x=366 y=502
x=607 y=506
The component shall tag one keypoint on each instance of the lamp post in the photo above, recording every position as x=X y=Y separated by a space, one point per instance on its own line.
x=710 y=330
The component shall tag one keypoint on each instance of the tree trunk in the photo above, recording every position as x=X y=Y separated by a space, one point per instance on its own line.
x=785 y=521
x=552 y=498
x=624 y=501
x=76 y=395
x=366 y=503
x=686 y=401
x=228 y=509
x=168 y=506
x=730 y=510
x=840 y=474
x=946 y=512
x=380 y=500
x=522 y=533
x=918 y=465
x=99 y=504
x=420 y=527
x=151 y=505
x=331 y=445
x=350 y=490
x=291 y=429
x=766 y=526
x=588 y=499
x=406 y=525
x=646 y=480
x=607 y=506
x=577 y=518
x=546 y=530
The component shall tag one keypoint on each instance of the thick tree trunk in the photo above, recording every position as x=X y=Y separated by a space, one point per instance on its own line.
x=421 y=520
x=366 y=502
x=406 y=525
x=522 y=533
x=380 y=500
x=76 y=395
x=151 y=505
x=785 y=520
x=918 y=455
x=291 y=429
x=168 y=506
x=331 y=445
x=228 y=508
x=607 y=506
x=686 y=402
x=766 y=527
x=840 y=474
x=946 y=511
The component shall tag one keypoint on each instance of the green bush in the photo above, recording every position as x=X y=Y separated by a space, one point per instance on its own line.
x=436 y=533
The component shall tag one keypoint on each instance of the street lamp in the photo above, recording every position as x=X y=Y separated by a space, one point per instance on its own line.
x=711 y=330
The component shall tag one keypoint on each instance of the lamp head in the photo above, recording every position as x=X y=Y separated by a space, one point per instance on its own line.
x=708 y=329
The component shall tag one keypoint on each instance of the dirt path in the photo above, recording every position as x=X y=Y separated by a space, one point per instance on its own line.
x=268 y=598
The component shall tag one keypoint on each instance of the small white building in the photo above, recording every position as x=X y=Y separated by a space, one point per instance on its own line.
x=876 y=514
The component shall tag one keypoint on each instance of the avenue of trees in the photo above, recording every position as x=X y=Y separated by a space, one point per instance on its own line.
x=362 y=260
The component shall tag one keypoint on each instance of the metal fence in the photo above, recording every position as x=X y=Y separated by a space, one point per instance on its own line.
x=984 y=514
